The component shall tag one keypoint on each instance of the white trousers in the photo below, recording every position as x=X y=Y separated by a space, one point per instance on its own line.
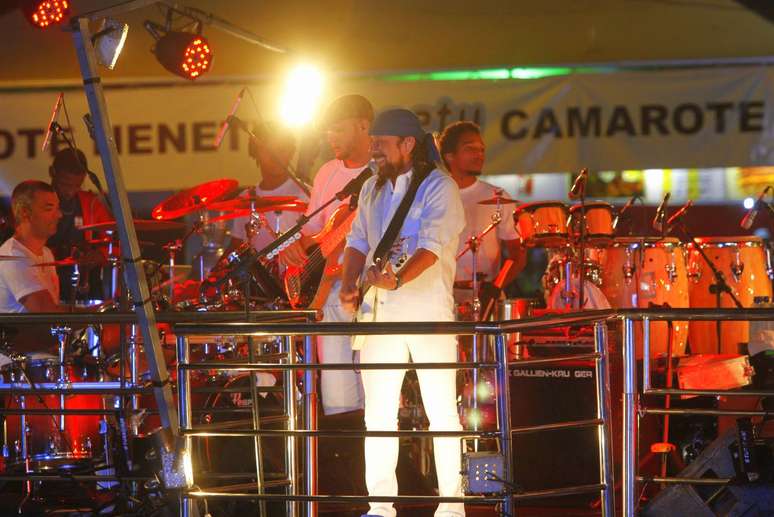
x=342 y=390
x=382 y=395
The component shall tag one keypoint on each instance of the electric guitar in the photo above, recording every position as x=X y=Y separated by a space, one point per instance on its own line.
x=309 y=286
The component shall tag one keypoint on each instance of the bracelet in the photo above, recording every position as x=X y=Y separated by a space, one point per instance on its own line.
x=397 y=282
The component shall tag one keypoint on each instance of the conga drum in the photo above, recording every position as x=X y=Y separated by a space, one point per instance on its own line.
x=746 y=269
x=599 y=223
x=542 y=224
x=639 y=272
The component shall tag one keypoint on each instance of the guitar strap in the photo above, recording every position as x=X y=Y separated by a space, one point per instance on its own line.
x=396 y=223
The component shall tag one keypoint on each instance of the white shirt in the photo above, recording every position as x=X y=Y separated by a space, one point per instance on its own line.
x=285 y=219
x=434 y=222
x=477 y=218
x=329 y=181
x=18 y=278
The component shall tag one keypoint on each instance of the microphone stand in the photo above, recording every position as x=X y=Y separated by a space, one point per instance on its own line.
x=582 y=250
x=720 y=286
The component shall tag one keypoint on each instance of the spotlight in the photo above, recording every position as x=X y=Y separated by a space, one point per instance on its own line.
x=45 y=13
x=185 y=54
x=301 y=97
x=109 y=41
x=748 y=203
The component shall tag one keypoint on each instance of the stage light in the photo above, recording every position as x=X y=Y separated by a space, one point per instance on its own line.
x=748 y=203
x=301 y=97
x=185 y=54
x=45 y=13
x=109 y=41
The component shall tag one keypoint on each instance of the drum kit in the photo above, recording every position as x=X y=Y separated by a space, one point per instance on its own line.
x=76 y=432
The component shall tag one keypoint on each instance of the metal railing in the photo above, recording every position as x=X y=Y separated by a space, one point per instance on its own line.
x=503 y=432
x=633 y=405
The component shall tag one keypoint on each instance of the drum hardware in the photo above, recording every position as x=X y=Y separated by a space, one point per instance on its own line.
x=737 y=267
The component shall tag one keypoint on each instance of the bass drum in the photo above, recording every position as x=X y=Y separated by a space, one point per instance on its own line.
x=746 y=266
x=640 y=272
x=49 y=448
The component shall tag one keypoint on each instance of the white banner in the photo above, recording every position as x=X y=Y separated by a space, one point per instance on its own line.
x=699 y=118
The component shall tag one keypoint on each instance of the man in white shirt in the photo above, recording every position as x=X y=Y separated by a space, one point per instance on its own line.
x=346 y=122
x=463 y=153
x=272 y=153
x=24 y=287
x=421 y=290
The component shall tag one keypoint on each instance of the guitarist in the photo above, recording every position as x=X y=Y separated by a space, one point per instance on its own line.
x=421 y=290
x=346 y=122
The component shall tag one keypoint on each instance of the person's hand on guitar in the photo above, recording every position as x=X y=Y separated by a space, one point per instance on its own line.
x=383 y=279
x=294 y=255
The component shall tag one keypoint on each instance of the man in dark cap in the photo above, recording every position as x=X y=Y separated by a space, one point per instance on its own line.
x=79 y=208
x=414 y=285
x=346 y=122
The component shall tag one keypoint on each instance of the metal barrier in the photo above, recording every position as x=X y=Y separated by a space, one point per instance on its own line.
x=632 y=404
x=503 y=433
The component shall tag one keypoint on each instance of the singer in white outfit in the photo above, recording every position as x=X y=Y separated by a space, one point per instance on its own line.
x=421 y=290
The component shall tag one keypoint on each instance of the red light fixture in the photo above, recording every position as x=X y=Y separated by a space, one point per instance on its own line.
x=185 y=54
x=45 y=13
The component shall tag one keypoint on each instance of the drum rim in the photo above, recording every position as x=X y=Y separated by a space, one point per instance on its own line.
x=646 y=241
x=527 y=207
x=592 y=204
x=750 y=241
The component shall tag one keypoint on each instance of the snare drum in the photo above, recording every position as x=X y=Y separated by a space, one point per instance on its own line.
x=542 y=224
x=599 y=223
x=47 y=446
x=638 y=272
x=745 y=265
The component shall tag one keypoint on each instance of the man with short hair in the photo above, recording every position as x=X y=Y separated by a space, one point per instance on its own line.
x=423 y=254
x=79 y=207
x=463 y=152
x=25 y=287
x=346 y=122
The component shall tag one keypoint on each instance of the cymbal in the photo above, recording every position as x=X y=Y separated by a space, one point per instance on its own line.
x=140 y=225
x=71 y=261
x=194 y=198
x=262 y=204
x=498 y=199
x=287 y=207
x=104 y=241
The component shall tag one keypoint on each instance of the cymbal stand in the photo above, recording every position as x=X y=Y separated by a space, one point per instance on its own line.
x=114 y=263
x=473 y=244
x=62 y=335
x=173 y=247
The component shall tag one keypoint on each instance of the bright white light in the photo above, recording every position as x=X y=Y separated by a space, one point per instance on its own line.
x=748 y=202
x=301 y=98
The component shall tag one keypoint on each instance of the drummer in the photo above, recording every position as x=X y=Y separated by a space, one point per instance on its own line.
x=463 y=153
x=79 y=207
x=272 y=150
x=24 y=287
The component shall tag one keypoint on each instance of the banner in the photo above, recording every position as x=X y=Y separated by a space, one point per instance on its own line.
x=677 y=119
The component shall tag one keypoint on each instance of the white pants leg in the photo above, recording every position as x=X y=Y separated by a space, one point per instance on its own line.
x=382 y=393
x=342 y=390
x=439 y=395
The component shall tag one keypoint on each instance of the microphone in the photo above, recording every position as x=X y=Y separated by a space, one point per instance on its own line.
x=678 y=215
x=658 y=220
x=749 y=217
x=52 y=121
x=624 y=208
x=226 y=123
x=579 y=186
x=354 y=185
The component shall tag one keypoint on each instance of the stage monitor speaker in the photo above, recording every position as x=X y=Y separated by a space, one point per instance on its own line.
x=737 y=500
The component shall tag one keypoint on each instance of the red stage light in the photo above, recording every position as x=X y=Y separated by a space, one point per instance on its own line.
x=45 y=13
x=184 y=54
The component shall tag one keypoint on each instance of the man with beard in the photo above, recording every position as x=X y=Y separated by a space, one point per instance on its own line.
x=346 y=122
x=463 y=153
x=420 y=290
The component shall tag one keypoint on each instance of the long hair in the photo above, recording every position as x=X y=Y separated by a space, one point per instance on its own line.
x=422 y=160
